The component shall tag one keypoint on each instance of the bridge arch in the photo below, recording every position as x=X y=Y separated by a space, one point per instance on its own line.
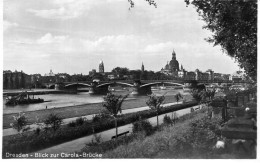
x=150 y=84
x=121 y=83
x=72 y=84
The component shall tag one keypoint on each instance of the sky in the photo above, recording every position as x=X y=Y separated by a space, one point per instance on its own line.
x=73 y=36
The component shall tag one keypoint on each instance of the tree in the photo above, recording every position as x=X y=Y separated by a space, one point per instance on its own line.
x=150 y=2
x=178 y=96
x=154 y=102
x=16 y=80
x=22 y=80
x=233 y=24
x=11 y=81
x=120 y=71
x=5 y=83
x=20 y=122
x=113 y=103
x=54 y=121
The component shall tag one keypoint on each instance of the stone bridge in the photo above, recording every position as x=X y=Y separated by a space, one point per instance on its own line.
x=139 y=87
x=102 y=87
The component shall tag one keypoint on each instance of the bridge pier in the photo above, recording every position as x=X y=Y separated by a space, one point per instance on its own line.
x=93 y=89
x=138 y=90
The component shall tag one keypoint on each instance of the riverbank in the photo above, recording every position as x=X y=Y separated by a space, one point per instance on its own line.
x=32 y=92
x=30 y=142
x=80 y=110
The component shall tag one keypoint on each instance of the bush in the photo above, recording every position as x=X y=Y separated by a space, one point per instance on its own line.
x=72 y=124
x=37 y=131
x=20 y=122
x=80 y=121
x=96 y=118
x=108 y=145
x=200 y=137
x=167 y=120
x=54 y=121
x=143 y=125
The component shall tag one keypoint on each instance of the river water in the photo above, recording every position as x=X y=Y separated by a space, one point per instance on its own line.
x=63 y=100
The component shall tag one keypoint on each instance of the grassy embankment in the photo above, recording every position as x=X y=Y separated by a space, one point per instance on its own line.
x=33 y=141
x=193 y=137
x=77 y=111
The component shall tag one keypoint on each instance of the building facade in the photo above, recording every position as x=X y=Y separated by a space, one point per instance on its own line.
x=172 y=67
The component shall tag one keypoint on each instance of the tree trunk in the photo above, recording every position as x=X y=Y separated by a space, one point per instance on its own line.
x=157 y=120
x=116 y=127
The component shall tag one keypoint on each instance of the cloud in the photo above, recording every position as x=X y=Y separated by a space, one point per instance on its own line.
x=7 y=25
x=48 y=38
x=160 y=47
x=112 y=43
x=65 y=9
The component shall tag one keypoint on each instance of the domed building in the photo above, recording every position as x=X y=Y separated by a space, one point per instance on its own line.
x=172 y=67
x=174 y=64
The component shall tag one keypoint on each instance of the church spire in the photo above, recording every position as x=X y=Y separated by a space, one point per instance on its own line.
x=173 y=55
x=142 y=68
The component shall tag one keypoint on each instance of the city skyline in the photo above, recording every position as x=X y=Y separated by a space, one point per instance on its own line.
x=73 y=36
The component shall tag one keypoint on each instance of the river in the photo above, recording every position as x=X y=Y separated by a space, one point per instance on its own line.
x=62 y=100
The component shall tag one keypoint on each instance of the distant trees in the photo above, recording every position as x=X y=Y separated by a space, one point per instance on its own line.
x=14 y=80
x=120 y=71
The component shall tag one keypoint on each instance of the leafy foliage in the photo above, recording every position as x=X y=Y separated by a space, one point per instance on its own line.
x=54 y=121
x=233 y=24
x=151 y=2
x=203 y=96
x=167 y=120
x=199 y=137
x=178 y=96
x=143 y=125
x=113 y=103
x=155 y=102
x=20 y=122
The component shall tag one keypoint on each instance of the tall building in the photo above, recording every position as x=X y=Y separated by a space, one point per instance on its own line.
x=101 y=67
x=172 y=67
x=142 y=68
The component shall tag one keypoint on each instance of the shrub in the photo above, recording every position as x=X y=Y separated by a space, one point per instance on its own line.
x=80 y=121
x=72 y=124
x=167 y=120
x=143 y=125
x=200 y=137
x=96 y=118
x=20 y=123
x=178 y=96
x=108 y=145
x=54 y=121
x=37 y=131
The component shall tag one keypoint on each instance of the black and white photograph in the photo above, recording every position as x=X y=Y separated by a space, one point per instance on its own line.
x=129 y=79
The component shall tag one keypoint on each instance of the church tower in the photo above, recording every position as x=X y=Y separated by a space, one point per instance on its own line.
x=142 y=68
x=101 y=67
